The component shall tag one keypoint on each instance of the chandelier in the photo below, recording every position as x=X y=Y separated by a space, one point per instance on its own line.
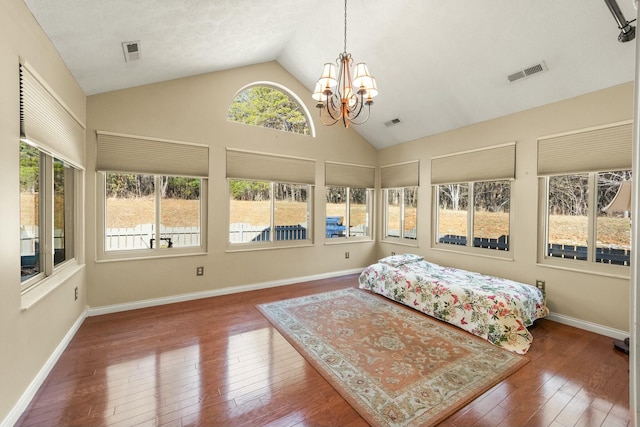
x=338 y=96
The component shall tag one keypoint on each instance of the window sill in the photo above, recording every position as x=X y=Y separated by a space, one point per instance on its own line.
x=249 y=247
x=585 y=267
x=411 y=243
x=345 y=240
x=133 y=255
x=39 y=291
x=474 y=251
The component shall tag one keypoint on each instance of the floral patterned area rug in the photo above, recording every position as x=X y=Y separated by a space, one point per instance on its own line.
x=394 y=365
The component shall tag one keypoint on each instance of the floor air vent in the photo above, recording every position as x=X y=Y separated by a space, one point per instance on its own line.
x=534 y=69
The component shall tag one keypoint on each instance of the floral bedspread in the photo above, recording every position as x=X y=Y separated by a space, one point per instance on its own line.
x=496 y=309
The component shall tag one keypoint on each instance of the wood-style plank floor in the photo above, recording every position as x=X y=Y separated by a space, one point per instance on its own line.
x=219 y=362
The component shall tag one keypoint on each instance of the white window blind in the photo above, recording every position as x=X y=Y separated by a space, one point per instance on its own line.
x=400 y=175
x=270 y=167
x=348 y=175
x=127 y=153
x=485 y=164
x=597 y=149
x=46 y=121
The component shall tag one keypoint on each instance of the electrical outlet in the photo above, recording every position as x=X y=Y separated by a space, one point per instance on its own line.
x=346 y=254
x=540 y=285
x=76 y=294
x=393 y=253
x=199 y=271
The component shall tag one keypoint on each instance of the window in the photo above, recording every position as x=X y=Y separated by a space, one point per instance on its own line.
x=400 y=197
x=271 y=106
x=613 y=218
x=262 y=213
x=575 y=202
x=63 y=211
x=453 y=210
x=150 y=212
x=30 y=211
x=348 y=212
x=586 y=198
x=401 y=211
x=270 y=199
x=159 y=209
x=52 y=143
x=486 y=225
x=47 y=214
x=349 y=200
x=472 y=197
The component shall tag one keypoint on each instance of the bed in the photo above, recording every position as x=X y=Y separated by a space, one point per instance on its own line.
x=498 y=310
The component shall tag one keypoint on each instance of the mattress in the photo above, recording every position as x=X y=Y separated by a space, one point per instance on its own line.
x=496 y=309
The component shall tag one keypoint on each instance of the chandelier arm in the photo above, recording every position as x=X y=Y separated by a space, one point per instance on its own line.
x=359 y=122
x=332 y=107
x=357 y=109
x=355 y=112
x=324 y=120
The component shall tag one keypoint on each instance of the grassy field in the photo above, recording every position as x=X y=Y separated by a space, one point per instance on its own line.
x=566 y=230
x=183 y=213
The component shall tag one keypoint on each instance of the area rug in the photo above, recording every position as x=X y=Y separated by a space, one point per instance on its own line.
x=394 y=365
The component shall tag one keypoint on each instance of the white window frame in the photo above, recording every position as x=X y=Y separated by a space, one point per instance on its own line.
x=602 y=148
x=46 y=227
x=402 y=238
x=589 y=265
x=157 y=251
x=347 y=219
x=271 y=243
x=469 y=247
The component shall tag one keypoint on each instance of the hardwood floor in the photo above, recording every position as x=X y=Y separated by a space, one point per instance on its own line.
x=219 y=362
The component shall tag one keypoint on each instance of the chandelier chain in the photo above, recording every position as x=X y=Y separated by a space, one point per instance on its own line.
x=345 y=26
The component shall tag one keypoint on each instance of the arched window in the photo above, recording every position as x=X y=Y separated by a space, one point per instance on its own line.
x=272 y=106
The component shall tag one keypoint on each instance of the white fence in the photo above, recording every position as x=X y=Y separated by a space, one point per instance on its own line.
x=408 y=234
x=142 y=236
x=29 y=238
x=241 y=232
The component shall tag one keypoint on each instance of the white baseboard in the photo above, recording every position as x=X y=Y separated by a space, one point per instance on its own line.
x=31 y=391
x=588 y=326
x=115 y=308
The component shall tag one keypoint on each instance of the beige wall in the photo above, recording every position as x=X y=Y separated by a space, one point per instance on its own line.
x=592 y=298
x=194 y=110
x=29 y=337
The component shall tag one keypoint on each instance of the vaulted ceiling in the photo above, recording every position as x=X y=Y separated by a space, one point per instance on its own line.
x=439 y=64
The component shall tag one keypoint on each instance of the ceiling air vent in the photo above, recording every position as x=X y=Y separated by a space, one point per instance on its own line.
x=392 y=122
x=534 y=69
x=131 y=51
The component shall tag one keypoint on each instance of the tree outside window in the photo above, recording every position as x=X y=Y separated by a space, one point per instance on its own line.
x=588 y=217
x=268 y=107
